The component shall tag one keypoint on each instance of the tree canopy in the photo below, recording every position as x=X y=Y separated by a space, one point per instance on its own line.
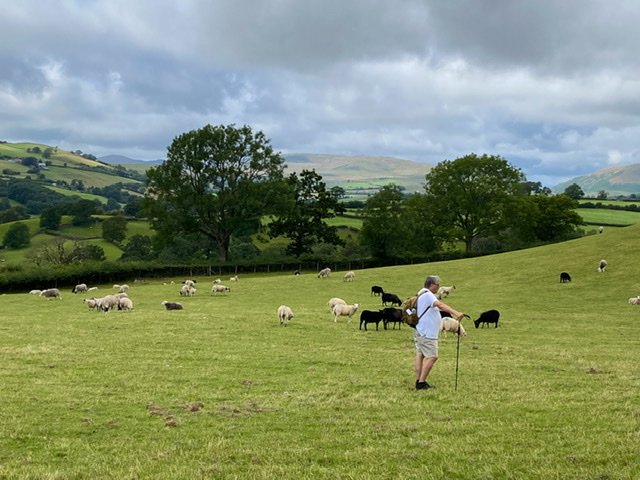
x=470 y=194
x=218 y=180
x=302 y=218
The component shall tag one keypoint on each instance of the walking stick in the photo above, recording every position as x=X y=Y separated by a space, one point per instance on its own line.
x=458 y=350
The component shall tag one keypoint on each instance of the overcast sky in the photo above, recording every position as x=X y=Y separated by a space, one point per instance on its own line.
x=553 y=86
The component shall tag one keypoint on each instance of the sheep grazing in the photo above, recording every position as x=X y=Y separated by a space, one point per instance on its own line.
x=324 y=273
x=485 y=318
x=634 y=300
x=392 y=315
x=369 y=316
x=190 y=283
x=125 y=303
x=448 y=324
x=217 y=280
x=123 y=289
x=349 y=276
x=80 y=288
x=391 y=298
x=602 y=266
x=172 y=305
x=344 y=311
x=445 y=291
x=35 y=292
x=296 y=273
x=376 y=290
x=187 y=291
x=90 y=302
x=107 y=303
x=335 y=301
x=600 y=229
x=51 y=293
x=284 y=314
x=234 y=278
x=565 y=277
x=217 y=288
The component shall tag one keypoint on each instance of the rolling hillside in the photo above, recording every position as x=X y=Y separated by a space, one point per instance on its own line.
x=620 y=180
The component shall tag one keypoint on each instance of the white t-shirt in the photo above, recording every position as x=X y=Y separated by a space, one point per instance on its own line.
x=429 y=324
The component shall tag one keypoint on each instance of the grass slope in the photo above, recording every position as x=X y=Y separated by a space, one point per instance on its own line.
x=219 y=390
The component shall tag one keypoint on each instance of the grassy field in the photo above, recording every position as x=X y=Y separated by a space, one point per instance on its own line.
x=609 y=217
x=220 y=390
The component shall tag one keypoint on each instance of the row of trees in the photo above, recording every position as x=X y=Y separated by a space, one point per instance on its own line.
x=221 y=185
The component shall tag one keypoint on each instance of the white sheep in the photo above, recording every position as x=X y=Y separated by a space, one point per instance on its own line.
x=116 y=286
x=349 y=276
x=107 y=303
x=90 y=302
x=80 y=288
x=445 y=291
x=603 y=264
x=51 y=293
x=344 y=311
x=234 y=278
x=125 y=303
x=121 y=295
x=448 y=324
x=335 y=301
x=284 y=314
x=189 y=283
x=217 y=280
x=92 y=289
x=123 y=289
x=324 y=273
x=187 y=291
x=217 y=288
x=634 y=300
x=35 y=292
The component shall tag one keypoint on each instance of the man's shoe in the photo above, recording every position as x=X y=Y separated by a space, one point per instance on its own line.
x=422 y=385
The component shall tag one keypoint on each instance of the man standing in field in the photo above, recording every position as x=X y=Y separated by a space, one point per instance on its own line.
x=428 y=329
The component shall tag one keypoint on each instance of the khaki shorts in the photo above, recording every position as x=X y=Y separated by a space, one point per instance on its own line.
x=427 y=346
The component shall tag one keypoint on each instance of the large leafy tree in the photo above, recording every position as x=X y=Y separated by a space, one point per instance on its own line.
x=218 y=180
x=470 y=194
x=17 y=236
x=383 y=230
x=302 y=218
x=114 y=229
x=574 y=191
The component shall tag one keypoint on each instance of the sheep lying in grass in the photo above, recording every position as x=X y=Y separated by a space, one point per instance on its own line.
x=172 y=305
x=335 y=301
x=284 y=314
x=634 y=300
x=448 y=324
x=35 y=292
x=234 y=278
x=341 y=310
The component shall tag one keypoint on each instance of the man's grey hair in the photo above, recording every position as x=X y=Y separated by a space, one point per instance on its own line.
x=430 y=280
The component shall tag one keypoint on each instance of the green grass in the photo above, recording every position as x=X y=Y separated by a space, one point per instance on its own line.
x=86 y=196
x=220 y=390
x=610 y=217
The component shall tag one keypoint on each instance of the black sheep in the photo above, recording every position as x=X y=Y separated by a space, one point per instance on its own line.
x=392 y=315
x=391 y=298
x=490 y=316
x=368 y=316
x=172 y=305
x=376 y=290
x=565 y=277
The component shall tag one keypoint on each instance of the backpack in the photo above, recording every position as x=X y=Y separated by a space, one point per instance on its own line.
x=410 y=311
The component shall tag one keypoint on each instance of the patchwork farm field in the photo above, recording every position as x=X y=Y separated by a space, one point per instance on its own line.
x=220 y=390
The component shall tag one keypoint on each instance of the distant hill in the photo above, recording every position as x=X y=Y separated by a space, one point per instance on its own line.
x=358 y=175
x=619 y=180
